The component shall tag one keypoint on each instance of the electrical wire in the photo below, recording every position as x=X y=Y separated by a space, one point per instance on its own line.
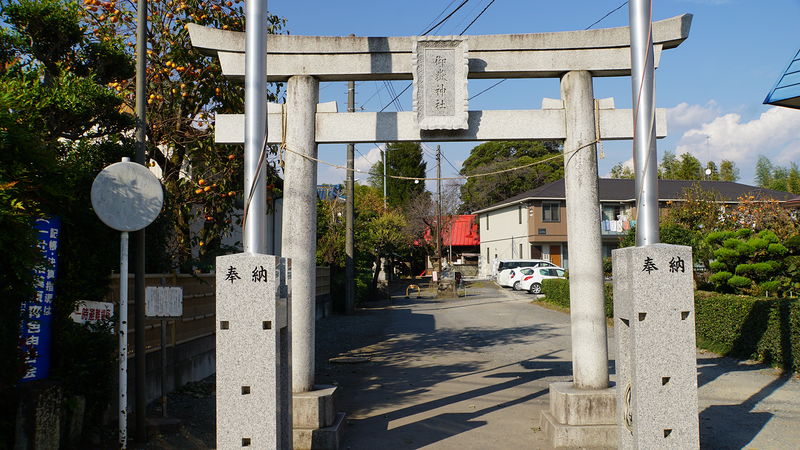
x=470 y=24
x=440 y=14
x=445 y=19
x=398 y=95
x=612 y=12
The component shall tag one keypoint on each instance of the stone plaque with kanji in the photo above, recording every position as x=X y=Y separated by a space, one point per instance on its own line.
x=440 y=69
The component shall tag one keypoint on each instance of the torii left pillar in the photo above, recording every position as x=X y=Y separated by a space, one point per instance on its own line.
x=317 y=424
x=582 y=413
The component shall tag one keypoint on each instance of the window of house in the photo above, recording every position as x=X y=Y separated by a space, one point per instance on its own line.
x=487 y=221
x=551 y=212
x=520 y=214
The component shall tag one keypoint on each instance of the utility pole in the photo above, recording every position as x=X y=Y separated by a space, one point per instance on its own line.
x=385 y=180
x=349 y=263
x=140 y=400
x=439 y=206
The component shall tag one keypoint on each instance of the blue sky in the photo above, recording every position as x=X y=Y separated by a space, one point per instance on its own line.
x=712 y=86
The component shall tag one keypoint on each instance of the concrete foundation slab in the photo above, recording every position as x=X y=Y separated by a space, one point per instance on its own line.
x=571 y=406
x=327 y=438
x=315 y=409
x=566 y=437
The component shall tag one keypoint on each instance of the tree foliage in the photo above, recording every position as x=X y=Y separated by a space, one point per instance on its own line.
x=185 y=91
x=747 y=262
x=403 y=159
x=495 y=158
x=770 y=176
x=622 y=171
x=60 y=125
x=685 y=167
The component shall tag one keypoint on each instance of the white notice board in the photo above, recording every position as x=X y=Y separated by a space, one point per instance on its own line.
x=164 y=301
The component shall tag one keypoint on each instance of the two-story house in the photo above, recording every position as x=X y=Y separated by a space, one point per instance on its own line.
x=533 y=225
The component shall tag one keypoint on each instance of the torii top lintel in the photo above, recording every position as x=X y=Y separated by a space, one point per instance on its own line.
x=603 y=52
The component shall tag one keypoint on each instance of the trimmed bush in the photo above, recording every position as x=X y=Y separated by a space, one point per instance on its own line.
x=762 y=329
x=766 y=330
x=557 y=293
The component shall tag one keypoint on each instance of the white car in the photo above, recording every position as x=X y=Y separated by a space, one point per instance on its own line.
x=531 y=277
x=504 y=271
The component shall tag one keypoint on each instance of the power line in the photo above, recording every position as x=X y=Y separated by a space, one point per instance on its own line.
x=466 y=16
x=440 y=14
x=470 y=24
x=490 y=87
x=445 y=19
x=451 y=164
x=590 y=26
x=398 y=95
x=612 y=12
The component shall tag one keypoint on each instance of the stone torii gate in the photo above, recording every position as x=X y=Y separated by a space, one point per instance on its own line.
x=577 y=118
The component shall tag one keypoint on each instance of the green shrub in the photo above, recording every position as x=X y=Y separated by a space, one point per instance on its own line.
x=557 y=293
x=766 y=330
x=762 y=329
x=607 y=266
x=720 y=277
x=739 y=282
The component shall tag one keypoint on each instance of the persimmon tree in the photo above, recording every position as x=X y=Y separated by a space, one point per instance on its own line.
x=185 y=91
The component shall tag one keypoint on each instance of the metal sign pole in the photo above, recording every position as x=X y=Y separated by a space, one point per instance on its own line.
x=645 y=158
x=123 y=341
x=127 y=197
x=255 y=126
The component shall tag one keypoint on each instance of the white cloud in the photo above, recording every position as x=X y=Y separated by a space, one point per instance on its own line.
x=628 y=164
x=363 y=162
x=775 y=134
x=685 y=117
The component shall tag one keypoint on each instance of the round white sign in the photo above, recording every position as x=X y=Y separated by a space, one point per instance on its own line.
x=126 y=196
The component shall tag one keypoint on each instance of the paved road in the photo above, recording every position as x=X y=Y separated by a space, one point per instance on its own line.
x=473 y=373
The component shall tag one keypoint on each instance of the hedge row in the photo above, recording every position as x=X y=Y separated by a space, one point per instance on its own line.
x=761 y=329
x=557 y=293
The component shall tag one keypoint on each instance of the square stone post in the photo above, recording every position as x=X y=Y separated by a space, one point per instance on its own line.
x=254 y=407
x=582 y=413
x=656 y=362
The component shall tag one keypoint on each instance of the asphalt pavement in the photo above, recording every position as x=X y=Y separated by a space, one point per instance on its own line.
x=474 y=372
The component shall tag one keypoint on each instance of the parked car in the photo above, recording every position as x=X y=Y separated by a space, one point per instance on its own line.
x=505 y=267
x=532 y=278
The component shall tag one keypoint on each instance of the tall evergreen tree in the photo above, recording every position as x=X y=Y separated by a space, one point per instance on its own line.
x=403 y=159
x=764 y=169
x=728 y=171
x=496 y=158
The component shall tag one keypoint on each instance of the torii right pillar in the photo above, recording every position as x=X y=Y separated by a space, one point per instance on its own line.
x=582 y=413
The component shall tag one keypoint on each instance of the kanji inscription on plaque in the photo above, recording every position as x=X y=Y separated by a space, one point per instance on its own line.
x=440 y=73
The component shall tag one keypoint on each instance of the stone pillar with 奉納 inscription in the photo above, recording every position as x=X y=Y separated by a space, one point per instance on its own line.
x=253 y=352
x=656 y=359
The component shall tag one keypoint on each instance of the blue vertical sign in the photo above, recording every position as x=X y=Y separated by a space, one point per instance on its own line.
x=38 y=312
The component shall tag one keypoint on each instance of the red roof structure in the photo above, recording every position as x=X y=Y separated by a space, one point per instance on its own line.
x=464 y=231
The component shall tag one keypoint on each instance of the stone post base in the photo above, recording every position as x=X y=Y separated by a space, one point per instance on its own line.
x=579 y=418
x=317 y=423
